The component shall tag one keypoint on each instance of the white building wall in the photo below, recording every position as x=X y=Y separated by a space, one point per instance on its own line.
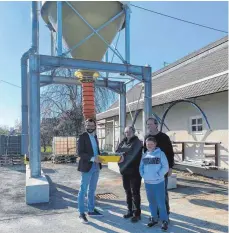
x=178 y=120
x=216 y=109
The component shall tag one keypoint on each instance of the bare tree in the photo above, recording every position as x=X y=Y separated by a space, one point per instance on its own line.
x=17 y=126
x=65 y=103
x=47 y=131
x=62 y=102
x=103 y=98
x=4 y=129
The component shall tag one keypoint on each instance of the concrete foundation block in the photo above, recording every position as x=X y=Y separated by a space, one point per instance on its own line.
x=37 y=189
x=172 y=181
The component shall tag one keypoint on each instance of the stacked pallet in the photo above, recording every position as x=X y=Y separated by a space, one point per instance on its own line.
x=10 y=145
x=64 y=159
x=10 y=150
x=7 y=160
x=64 y=149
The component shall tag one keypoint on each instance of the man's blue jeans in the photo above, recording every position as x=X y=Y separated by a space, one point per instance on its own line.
x=89 y=182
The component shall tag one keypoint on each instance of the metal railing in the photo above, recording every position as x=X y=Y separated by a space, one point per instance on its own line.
x=214 y=155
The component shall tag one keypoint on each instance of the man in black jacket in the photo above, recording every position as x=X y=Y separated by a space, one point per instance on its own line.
x=89 y=166
x=131 y=147
x=164 y=143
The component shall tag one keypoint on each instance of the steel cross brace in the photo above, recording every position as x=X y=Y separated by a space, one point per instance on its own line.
x=93 y=33
x=96 y=32
x=50 y=62
x=115 y=86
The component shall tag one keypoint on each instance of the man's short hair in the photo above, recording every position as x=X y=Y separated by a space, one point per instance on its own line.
x=152 y=119
x=151 y=139
x=90 y=120
x=132 y=128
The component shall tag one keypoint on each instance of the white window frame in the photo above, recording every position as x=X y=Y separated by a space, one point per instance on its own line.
x=191 y=125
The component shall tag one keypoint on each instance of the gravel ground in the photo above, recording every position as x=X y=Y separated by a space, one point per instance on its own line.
x=198 y=204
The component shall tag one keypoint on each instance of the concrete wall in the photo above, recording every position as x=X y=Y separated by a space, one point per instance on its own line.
x=179 y=120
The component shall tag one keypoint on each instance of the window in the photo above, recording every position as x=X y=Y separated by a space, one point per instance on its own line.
x=196 y=124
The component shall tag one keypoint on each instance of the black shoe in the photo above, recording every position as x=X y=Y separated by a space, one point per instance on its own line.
x=83 y=218
x=95 y=213
x=152 y=222
x=135 y=218
x=164 y=226
x=128 y=215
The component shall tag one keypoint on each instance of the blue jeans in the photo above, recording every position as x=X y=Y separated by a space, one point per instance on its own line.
x=156 y=197
x=88 y=180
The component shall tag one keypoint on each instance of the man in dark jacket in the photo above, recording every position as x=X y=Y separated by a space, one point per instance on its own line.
x=131 y=147
x=89 y=166
x=164 y=143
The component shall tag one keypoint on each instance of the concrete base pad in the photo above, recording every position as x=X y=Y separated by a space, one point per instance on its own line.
x=172 y=182
x=215 y=174
x=37 y=189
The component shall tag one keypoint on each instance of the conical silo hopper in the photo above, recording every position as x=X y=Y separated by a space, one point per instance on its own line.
x=74 y=30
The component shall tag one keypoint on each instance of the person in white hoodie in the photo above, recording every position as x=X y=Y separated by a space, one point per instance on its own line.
x=153 y=167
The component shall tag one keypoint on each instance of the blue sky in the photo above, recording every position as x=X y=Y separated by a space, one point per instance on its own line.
x=154 y=39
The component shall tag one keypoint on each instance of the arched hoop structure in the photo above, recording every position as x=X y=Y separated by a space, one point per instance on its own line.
x=160 y=121
x=183 y=101
x=153 y=114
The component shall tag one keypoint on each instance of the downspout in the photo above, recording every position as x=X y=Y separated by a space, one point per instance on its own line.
x=24 y=102
x=25 y=81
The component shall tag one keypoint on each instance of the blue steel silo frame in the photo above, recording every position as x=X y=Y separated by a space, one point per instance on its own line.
x=32 y=80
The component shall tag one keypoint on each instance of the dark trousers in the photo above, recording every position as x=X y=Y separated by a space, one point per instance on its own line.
x=132 y=186
x=166 y=197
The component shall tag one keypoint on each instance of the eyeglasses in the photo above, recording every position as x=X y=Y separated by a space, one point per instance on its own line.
x=90 y=126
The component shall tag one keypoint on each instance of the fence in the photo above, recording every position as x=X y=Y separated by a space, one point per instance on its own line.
x=10 y=150
x=10 y=145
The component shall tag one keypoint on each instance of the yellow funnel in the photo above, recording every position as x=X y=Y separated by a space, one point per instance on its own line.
x=75 y=30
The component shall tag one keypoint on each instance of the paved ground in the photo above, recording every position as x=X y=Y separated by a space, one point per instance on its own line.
x=198 y=204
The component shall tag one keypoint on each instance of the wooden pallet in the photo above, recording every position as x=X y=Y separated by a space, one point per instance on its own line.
x=64 y=159
x=8 y=160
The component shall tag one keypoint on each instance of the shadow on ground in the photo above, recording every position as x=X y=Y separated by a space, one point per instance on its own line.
x=64 y=197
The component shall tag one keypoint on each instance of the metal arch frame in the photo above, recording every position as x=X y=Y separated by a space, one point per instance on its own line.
x=153 y=114
x=33 y=80
x=159 y=120
x=185 y=101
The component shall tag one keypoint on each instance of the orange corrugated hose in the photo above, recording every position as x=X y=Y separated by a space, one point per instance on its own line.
x=88 y=100
x=87 y=78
